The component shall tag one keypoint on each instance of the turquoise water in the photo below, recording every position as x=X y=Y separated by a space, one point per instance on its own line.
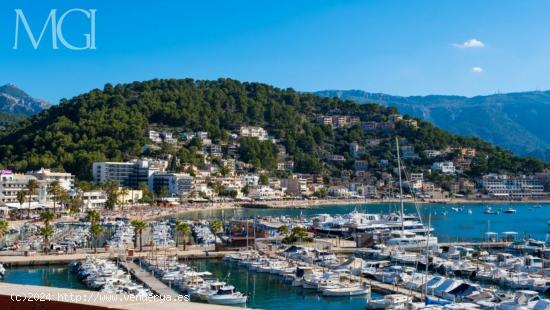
x=453 y=226
x=55 y=276
x=269 y=292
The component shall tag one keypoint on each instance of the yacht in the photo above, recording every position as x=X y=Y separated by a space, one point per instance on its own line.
x=2 y=271
x=347 y=290
x=391 y=301
x=226 y=295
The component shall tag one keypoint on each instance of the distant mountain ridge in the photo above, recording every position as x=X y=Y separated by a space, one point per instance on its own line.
x=15 y=101
x=515 y=121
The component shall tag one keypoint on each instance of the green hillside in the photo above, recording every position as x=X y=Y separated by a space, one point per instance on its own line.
x=112 y=124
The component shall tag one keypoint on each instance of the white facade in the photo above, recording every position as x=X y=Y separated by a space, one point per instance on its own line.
x=66 y=180
x=514 y=187
x=93 y=200
x=253 y=132
x=445 y=167
x=12 y=183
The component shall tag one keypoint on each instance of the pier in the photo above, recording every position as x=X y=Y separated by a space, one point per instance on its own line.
x=149 y=280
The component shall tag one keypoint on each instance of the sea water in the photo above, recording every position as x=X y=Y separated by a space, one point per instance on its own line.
x=530 y=220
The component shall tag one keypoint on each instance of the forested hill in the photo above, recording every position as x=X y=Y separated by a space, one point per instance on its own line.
x=515 y=121
x=112 y=123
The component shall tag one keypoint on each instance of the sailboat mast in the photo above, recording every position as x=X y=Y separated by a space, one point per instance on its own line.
x=400 y=184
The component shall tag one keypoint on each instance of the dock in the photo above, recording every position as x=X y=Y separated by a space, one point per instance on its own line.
x=149 y=280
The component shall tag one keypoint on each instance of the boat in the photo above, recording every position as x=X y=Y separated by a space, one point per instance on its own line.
x=353 y=290
x=2 y=271
x=489 y=210
x=227 y=295
x=510 y=210
x=469 y=211
x=391 y=301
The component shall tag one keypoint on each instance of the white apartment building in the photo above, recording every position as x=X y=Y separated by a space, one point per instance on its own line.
x=65 y=179
x=445 y=167
x=12 y=183
x=432 y=153
x=499 y=185
x=93 y=200
x=127 y=174
x=265 y=192
x=253 y=132
x=250 y=180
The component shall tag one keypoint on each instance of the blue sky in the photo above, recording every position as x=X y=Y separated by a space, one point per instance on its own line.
x=397 y=47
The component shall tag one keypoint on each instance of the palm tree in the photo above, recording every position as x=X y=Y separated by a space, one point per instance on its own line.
x=93 y=216
x=96 y=230
x=47 y=231
x=139 y=226
x=47 y=217
x=21 y=196
x=185 y=230
x=3 y=228
x=54 y=188
x=63 y=198
x=32 y=186
x=75 y=204
x=216 y=226
x=123 y=192
x=283 y=230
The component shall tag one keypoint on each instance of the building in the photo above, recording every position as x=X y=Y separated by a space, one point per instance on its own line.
x=417 y=176
x=154 y=136
x=214 y=150
x=432 y=153
x=356 y=150
x=445 y=167
x=65 y=179
x=93 y=200
x=253 y=132
x=11 y=184
x=295 y=185
x=468 y=152
x=504 y=186
x=336 y=157
x=265 y=192
x=369 y=126
x=171 y=184
x=126 y=174
x=361 y=165
x=407 y=152
x=250 y=180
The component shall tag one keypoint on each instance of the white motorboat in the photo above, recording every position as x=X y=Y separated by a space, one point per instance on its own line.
x=391 y=301
x=354 y=290
x=2 y=271
x=226 y=295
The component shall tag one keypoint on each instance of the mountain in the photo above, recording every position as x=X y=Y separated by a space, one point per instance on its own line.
x=14 y=101
x=515 y=121
x=112 y=124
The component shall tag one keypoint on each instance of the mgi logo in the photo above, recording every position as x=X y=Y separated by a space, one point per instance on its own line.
x=56 y=29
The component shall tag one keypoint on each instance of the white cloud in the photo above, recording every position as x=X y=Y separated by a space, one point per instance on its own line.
x=472 y=43
x=477 y=69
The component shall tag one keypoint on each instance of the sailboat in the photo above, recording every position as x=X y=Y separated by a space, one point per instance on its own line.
x=407 y=239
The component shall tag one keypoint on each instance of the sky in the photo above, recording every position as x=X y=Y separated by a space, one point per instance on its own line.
x=415 y=47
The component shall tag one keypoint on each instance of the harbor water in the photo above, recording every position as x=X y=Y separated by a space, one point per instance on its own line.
x=449 y=225
x=267 y=291
x=53 y=275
